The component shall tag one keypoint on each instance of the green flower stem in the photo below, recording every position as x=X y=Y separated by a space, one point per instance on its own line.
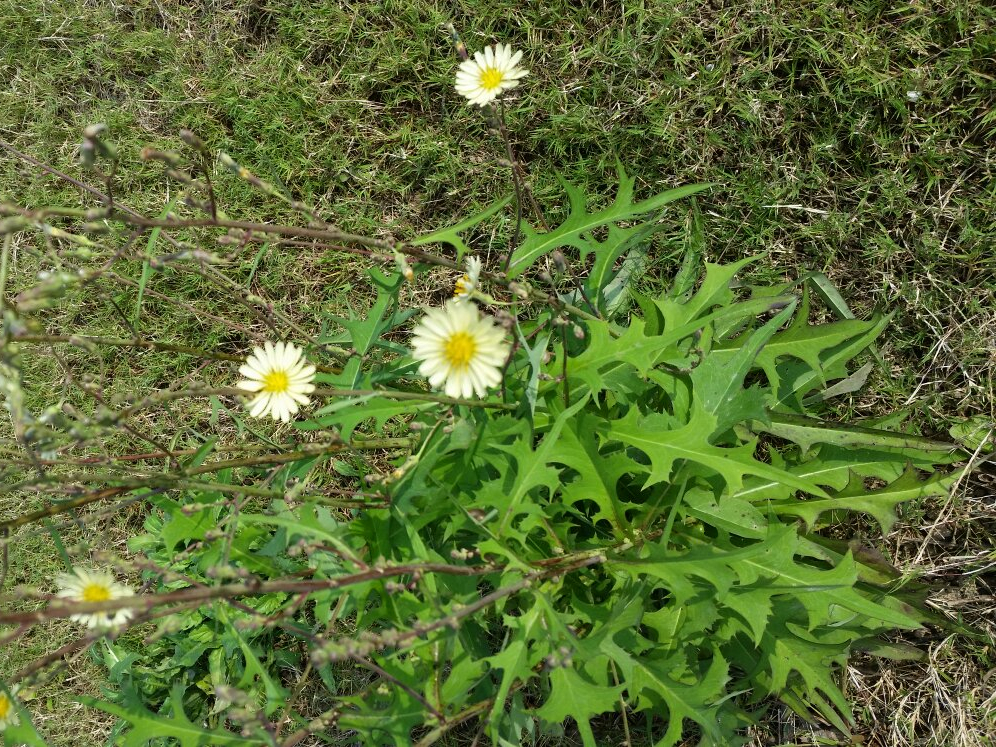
x=293 y=456
x=161 y=397
x=8 y=240
x=172 y=482
x=449 y=724
x=156 y=479
x=110 y=459
x=535 y=295
x=62 y=507
x=329 y=234
x=135 y=343
x=418 y=396
x=246 y=589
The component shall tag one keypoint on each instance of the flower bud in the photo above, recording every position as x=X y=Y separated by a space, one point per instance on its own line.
x=192 y=140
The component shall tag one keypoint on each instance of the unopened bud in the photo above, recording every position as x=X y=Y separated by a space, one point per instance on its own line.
x=192 y=140
x=168 y=157
x=518 y=290
x=94 y=131
x=578 y=332
x=228 y=162
x=180 y=176
x=88 y=154
x=559 y=261
x=13 y=224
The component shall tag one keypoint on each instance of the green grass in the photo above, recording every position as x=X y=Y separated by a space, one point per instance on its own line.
x=798 y=111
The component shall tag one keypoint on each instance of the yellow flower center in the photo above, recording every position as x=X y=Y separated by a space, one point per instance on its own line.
x=461 y=286
x=96 y=593
x=491 y=78
x=460 y=349
x=5 y=706
x=276 y=382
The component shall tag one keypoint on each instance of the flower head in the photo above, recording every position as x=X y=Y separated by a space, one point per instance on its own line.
x=8 y=708
x=467 y=284
x=81 y=585
x=482 y=78
x=282 y=378
x=460 y=350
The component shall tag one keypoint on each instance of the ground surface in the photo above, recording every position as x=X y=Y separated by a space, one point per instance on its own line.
x=852 y=138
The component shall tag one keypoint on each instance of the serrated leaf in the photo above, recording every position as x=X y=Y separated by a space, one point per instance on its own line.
x=801 y=340
x=619 y=241
x=348 y=412
x=718 y=380
x=605 y=353
x=807 y=431
x=852 y=383
x=183 y=527
x=616 y=295
x=729 y=513
x=684 y=279
x=796 y=379
x=451 y=235
x=573 y=695
x=880 y=503
x=831 y=467
x=366 y=329
x=787 y=653
x=770 y=564
x=714 y=291
x=147 y=725
x=698 y=702
x=974 y=434
x=532 y=465
x=826 y=290
x=534 y=354
x=836 y=587
x=598 y=473
x=514 y=660
x=579 y=221
x=390 y=724
x=720 y=568
x=653 y=436
x=276 y=694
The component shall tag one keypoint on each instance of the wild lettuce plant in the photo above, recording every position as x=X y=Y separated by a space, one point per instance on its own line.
x=552 y=502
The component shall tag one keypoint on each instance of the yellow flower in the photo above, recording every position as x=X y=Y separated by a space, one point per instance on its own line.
x=282 y=377
x=82 y=585
x=467 y=284
x=460 y=350
x=484 y=77
x=8 y=708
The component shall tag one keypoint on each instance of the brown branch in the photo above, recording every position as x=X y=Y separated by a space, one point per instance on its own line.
x=248 y=589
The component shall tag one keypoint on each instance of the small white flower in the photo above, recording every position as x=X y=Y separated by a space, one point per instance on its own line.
x=460 y=350
x=81 y=585
x=8 y=708
x=912 y=96
x=487 y=74
x=282 y=377
x=467 y=284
